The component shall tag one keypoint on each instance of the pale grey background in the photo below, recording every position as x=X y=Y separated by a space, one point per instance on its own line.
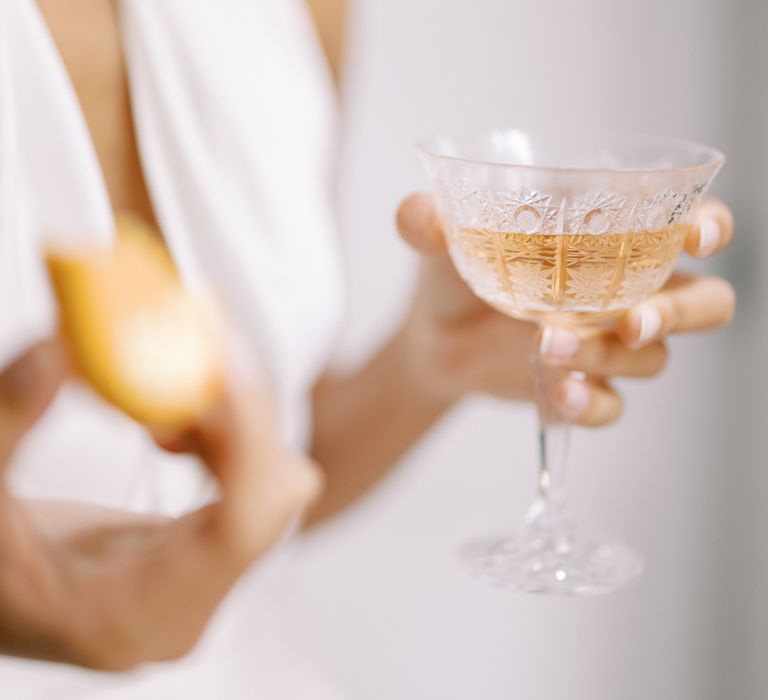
x=682 y=477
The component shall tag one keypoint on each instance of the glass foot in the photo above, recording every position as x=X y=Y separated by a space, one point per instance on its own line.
x=563 y=561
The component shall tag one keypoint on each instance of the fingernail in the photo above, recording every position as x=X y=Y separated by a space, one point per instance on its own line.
x=574 y=397
x=709 y=236
x=650 y=324
x=558 y=343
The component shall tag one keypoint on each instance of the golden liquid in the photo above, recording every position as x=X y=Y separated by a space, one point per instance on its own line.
x=585 y=276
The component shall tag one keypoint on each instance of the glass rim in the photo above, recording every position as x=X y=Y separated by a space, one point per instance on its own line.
x=714 y=158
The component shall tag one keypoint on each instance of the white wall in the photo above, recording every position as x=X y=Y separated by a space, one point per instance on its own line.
x=385 y=605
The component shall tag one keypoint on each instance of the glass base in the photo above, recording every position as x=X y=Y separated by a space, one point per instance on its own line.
x=558 y=560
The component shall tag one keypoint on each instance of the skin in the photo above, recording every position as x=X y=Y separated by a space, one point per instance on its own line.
x=88 y=586
x=330 y=17
x=452 y=344
x=86 y=32
x=101 y=588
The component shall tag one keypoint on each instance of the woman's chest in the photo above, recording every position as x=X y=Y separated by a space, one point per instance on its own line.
x=87 y=35
x=234 y=111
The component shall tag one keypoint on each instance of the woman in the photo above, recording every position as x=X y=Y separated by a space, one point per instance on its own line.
x=215 y=122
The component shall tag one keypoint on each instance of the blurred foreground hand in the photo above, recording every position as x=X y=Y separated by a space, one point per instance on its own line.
x=461 y=345
x=110 y=590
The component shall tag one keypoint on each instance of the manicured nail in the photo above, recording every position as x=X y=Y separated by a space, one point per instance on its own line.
x=709 y=236
x=650 y=324
x=573 y=398
x=558 y=343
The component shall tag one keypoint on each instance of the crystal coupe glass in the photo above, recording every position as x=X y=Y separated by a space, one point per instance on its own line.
x=562 y=231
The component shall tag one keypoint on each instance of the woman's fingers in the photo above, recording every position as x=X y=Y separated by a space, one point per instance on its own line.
x=712 y=231
x=263 y=484
x=27 y=386
x=685 y=304
x=419 y=224
x=587 y=402
x=199 y=556
x=601 y=353
x=444 y=294
x=635 y=350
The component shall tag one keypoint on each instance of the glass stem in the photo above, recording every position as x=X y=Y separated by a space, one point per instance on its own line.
x=553 y=445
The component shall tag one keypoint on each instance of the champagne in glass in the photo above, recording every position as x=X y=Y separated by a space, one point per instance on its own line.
x=570 y=232
x=535 y=276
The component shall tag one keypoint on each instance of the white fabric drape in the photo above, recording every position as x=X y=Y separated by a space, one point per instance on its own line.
x=235 y=117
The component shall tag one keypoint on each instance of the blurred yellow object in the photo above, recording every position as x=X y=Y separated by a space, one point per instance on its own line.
x=141 y=339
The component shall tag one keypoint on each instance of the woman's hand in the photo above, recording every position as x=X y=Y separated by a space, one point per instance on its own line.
x=460 y=345
x=110 y=590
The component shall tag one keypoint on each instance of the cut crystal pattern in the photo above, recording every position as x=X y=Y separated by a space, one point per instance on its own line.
x=524 y=252
x=531 y=211
x=479 y=273
x=586 y=284
x=531 y=281
x=597 y=212
x=526 y=211
x=520 y=272
x=637 y=281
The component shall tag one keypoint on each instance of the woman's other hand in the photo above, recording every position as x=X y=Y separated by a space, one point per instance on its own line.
x=110 y=590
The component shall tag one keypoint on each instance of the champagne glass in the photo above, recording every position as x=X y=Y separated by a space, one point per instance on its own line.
x=563 y=231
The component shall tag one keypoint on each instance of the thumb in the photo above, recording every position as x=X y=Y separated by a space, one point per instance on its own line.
x=419 y=224
x=446 y=296
x=27 y=386
x=263 y=486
